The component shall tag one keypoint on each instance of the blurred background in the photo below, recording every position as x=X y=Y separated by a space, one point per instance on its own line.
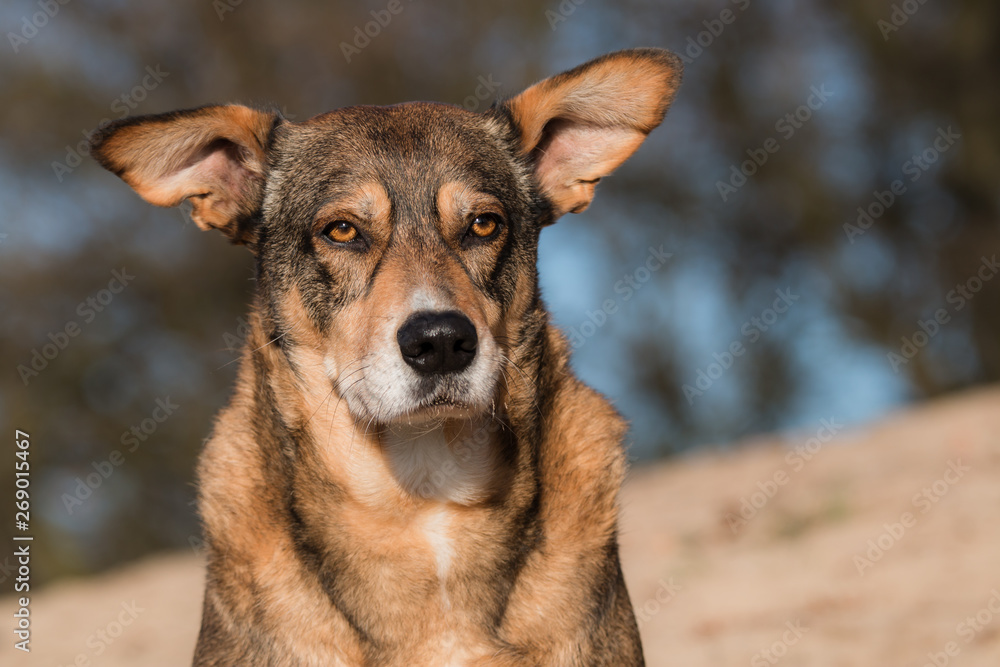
x=825 y=186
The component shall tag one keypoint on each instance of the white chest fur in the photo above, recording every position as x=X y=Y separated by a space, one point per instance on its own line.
x=446 y=461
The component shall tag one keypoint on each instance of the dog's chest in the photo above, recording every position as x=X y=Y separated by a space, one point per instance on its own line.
x=417 y=584
x=445 y=462
x=414 y=545
x=447 y=466
x=435 y=528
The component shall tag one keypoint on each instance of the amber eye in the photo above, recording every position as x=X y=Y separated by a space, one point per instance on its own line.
x=484 y=226
x=340 y=232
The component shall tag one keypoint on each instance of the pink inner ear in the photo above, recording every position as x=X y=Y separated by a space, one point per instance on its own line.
x=216 y=180
x=574 y=156
x=214 y=169
x=224 y=171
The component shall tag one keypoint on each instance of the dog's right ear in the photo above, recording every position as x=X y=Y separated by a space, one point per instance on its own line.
x=214 y=156
x=579 y=126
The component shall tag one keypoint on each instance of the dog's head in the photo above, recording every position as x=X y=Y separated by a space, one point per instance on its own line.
x=397 y=244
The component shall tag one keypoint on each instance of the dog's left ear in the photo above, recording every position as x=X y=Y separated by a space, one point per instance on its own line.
x=580 y=125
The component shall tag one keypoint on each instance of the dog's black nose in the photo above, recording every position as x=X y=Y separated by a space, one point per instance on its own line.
x=437 y=342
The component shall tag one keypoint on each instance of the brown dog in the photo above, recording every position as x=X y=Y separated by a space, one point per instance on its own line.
x=408 y=472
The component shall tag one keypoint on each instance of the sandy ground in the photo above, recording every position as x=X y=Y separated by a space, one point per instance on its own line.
x=882 y=549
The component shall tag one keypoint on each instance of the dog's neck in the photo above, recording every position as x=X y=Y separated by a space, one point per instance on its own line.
x=464 y=461
x=447 y=460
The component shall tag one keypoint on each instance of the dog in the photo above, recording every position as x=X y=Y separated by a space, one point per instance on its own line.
x=408 y=472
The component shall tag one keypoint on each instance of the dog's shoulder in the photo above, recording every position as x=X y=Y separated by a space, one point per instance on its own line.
x=582 y=460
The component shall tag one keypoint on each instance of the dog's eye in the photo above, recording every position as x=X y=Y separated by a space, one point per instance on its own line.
x=484 y=226
x=340 y=232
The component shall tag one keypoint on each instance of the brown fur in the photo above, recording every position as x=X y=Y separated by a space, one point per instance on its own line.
x=351 y=521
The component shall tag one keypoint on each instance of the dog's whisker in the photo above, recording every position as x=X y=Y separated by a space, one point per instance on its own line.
x=336 y=383
x=344 y=392
x=534 y=400
x=320 y=406
x=233 y=361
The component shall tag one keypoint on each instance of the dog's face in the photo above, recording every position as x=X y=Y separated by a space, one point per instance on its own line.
x=398 y=244
x=407 y=233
